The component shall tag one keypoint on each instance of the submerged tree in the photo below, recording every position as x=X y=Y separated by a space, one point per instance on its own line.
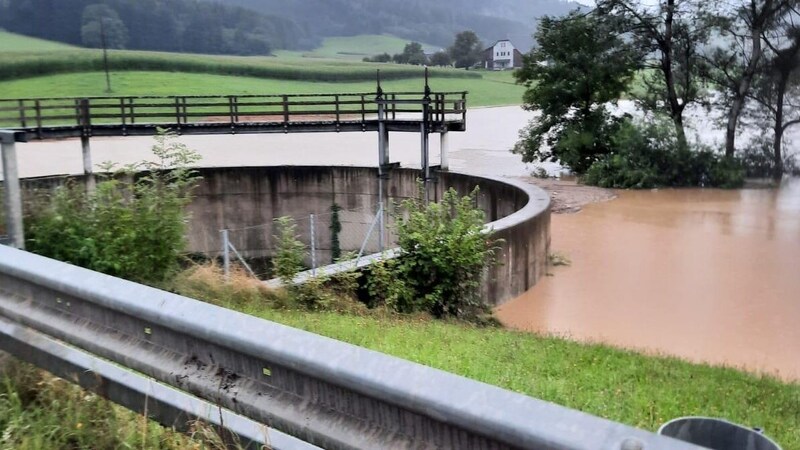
x=673 y=31
x=737 y=57
x=579 y=65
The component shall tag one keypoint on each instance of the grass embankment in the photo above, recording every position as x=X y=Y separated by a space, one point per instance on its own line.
x=38 y=412
x=643 y=391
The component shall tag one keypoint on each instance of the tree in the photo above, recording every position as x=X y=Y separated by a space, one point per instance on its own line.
x=775 y=91
x=466 y=49
x=580 y=64
x=737 y=57
x=441 y=58
x=412 y=54
x=99 y=20
x=673 y=32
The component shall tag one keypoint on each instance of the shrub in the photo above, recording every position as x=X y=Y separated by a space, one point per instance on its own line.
x=444 y=252
x=130 y=229
x=289 y=252
x=646 y=156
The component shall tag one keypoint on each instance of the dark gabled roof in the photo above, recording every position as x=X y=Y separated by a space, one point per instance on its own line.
x=499 y=41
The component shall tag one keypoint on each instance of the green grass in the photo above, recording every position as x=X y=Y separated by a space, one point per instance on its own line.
x=11 y=42
x=357 y=47
x=625 y=386
x=41 y=412
x=642 y=391
x=489 y=91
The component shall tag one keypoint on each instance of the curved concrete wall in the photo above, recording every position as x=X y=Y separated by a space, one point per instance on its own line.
x=242 y=197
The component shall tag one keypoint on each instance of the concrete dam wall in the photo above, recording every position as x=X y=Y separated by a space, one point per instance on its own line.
x=247 y=199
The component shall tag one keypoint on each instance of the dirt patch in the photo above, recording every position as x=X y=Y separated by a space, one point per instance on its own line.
x=568 y=196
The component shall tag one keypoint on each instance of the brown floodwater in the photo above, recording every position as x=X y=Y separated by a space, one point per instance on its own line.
x=706 y=275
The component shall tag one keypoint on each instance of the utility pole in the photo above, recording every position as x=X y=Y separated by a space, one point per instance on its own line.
x=105 y=53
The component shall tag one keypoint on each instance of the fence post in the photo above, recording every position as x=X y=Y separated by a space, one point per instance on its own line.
x=313 y=246
x=226 y=260
x=381 y=226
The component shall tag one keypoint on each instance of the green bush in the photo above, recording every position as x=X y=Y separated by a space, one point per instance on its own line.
x=444 y=252
x=130 y=229
x=646 y=155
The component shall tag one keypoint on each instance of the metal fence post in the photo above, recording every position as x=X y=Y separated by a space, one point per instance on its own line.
x=313 y=246
x=226 y=259
x=13 y=191
x=381 y=226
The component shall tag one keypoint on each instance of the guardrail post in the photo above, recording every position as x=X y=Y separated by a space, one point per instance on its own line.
x=13 y=191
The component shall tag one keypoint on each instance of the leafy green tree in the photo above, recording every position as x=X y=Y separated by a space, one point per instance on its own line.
x=412 y=54
x=580 y=64
x=98 y=20
x=290 y=251
x=441 y=58
x=466 y=50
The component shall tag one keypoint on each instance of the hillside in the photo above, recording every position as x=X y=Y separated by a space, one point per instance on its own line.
x=259 y=27
x=419 y=20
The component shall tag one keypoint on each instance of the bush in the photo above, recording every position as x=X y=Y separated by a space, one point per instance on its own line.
x=646 y=156
x=444 y=252
x=129 y=229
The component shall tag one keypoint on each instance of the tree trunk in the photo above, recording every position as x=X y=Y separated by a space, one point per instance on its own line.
x=675 y=107
x=777 y=173
x=747 y=78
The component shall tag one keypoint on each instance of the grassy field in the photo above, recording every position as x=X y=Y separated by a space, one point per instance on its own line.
x=496 y=88
x=36 y=68
x=25 y=57
x=357 y=47
x=16 y=43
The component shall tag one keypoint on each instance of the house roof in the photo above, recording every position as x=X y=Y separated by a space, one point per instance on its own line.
x=499 y=41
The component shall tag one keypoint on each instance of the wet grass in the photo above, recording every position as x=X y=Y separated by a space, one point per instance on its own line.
x=639 y=390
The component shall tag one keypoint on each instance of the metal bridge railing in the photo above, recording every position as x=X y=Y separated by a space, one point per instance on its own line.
x=76 y=322
x=36 y=115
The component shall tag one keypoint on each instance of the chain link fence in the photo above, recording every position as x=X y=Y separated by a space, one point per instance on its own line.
x=331 y=237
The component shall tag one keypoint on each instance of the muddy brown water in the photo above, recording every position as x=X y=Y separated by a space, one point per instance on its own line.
x=706 y=275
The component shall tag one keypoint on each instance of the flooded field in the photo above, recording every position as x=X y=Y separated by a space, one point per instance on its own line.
x=702 y=274
x=707 y=275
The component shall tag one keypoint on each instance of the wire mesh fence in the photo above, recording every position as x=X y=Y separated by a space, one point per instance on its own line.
x=327 y=238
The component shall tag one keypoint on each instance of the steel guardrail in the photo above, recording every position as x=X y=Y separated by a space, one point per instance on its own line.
x=321 y=391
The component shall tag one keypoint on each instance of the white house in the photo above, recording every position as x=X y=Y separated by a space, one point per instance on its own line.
x=502 y=55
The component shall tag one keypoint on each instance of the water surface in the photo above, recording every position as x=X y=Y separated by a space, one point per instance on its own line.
x=707 y=275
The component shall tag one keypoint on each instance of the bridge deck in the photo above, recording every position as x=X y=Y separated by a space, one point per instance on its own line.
x=52 y=118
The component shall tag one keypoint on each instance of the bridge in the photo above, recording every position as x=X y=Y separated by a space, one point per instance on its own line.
x=57 y=118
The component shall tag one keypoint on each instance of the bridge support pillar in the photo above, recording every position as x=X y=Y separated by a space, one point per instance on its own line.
x=87 y=164
x=444 y=147
x=13 y=191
